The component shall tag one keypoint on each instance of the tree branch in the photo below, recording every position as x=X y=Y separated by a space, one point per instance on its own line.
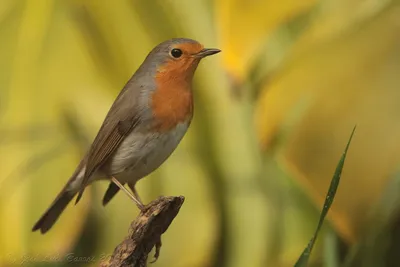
x=145 y=233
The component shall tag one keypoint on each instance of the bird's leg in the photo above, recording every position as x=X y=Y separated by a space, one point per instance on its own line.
x=135 y=193
x=137 y=202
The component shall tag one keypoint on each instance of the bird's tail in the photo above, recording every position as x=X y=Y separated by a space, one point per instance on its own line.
x=53 y=212
x=60 y=203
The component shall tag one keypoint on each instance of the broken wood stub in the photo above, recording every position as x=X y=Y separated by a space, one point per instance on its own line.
x=145 y=233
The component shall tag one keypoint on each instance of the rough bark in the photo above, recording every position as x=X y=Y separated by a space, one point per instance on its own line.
x=145 y=233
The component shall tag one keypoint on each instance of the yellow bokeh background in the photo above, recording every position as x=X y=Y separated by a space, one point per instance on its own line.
x=273 y=113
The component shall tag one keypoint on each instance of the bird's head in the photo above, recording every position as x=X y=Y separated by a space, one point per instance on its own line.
x=177 y=58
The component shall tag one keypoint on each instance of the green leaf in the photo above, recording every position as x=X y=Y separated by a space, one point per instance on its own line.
x=303 y=260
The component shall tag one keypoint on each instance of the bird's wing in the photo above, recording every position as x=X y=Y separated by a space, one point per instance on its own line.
x=119 y=122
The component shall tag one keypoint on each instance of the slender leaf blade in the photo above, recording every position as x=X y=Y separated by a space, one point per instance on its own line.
x=303 y=260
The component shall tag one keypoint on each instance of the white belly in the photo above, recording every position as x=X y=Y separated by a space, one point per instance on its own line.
x=141 y=153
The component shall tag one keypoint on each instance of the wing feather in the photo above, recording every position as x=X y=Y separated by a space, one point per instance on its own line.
x=120 y=121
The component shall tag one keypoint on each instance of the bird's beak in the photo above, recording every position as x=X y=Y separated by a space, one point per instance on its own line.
x=207 y=52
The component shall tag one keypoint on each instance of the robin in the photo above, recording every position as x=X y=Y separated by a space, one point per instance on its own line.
x=143 y=127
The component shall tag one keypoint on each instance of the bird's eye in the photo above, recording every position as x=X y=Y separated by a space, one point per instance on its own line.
x=176 y=53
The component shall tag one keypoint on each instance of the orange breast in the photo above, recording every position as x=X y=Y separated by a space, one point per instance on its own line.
x=172 y=103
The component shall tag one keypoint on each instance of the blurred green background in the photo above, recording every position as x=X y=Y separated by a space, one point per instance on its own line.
x=273 y=113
